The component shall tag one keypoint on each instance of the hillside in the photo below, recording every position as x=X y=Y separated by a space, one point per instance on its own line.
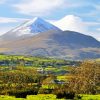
x=63 y=44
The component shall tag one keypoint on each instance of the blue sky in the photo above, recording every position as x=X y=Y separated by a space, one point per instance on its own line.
x=15 y=12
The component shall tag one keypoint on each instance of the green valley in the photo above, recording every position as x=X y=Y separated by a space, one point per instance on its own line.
x=41 y=78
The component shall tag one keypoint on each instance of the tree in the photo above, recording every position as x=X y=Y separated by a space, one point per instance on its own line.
x=85 y=78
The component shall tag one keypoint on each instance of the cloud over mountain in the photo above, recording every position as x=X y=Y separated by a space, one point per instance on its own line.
x=76 y=23
x=11 y=20
x=73 y=23
x=38 y=7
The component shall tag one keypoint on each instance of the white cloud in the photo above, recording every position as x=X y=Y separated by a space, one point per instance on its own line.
x=73 y=23
x=92 y=23
x=5 y=29
x=97 y=7
x=2 y=1
x=44 y=7
x=7 y=24
x=96 y=35
x=38 y=7
x=95 y=12
x=69 y=22
x=10 y=20
x=98 y=29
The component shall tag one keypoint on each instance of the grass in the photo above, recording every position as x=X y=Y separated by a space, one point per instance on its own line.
x=90 y=97
x=64 y=77
x=10 y=98
x=32 y=97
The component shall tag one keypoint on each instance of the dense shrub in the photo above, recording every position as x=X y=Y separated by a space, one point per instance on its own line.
x=86 y=78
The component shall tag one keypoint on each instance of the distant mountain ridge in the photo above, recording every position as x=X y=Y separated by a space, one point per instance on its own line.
x=45 y=39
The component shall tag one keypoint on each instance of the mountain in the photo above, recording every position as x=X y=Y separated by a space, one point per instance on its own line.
x=29 y=28
x=59 y=44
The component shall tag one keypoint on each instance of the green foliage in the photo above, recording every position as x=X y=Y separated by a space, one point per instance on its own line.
x=20 y=80
x=89 y=97
x=49 y=97
x=13 y=60
x=10 y=98
x=23 y=75
x=42 y=97
x=86 y=78
x=32 y=97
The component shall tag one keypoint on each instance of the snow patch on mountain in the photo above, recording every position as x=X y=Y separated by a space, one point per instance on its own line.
x=34 y=26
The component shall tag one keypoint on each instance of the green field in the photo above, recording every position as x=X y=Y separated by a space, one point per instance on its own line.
x=40 y=78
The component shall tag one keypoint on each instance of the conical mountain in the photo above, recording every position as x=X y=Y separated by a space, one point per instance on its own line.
x=29 y=28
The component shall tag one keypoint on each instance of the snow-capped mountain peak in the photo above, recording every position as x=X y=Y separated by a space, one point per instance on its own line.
x=34 y=26
x=31 y=27
x=29 y=22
